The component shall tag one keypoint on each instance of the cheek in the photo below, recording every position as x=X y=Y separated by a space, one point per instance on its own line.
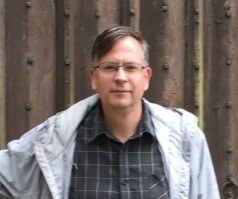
x=100 y=85
x=141 y=84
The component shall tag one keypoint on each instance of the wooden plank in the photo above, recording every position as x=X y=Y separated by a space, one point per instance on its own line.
x=130 y=13
x=60 y=61
x=194 y=55
x=69 y=38
x=86 y=30
x=109 y=14
x=166 y=40
x=191 y=67
x=219 y=116
x=199 y=61
x=41 y=44
x=2 y=78
x=233 y=73
x=125 y=13
x=134 y=12
x=17 y=70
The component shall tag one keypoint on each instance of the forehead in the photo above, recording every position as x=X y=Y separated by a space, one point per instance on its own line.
x=125 y=48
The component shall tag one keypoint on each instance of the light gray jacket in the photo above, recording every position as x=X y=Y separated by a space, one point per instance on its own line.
x=38 y=165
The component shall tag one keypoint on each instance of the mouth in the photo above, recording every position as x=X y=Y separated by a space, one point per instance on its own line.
x=120 y=91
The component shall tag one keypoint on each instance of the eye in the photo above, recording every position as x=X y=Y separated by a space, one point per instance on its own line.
x=109 y=67
x=131 y=67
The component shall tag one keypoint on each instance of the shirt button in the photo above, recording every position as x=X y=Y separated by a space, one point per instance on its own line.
x=124 y=182
x=123 y=152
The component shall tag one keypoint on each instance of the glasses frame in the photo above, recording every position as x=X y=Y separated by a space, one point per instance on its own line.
x=124 y=66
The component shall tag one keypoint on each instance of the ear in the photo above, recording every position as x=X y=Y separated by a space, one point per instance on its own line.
x=147 y=75
x=93 y=78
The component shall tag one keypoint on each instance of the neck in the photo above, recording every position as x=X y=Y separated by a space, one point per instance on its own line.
x=123 y=122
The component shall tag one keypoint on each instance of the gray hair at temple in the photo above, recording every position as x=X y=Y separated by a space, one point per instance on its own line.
x=106 y=40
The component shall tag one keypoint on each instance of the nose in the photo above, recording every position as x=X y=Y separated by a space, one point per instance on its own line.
x=120 y=75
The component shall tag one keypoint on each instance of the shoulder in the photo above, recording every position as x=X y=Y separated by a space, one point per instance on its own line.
x=179 y=122
x=178 y=133
x=171 y=116
x=66 y=120
x=24 y=145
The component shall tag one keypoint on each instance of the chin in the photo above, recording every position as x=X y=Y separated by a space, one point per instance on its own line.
x=120 y=103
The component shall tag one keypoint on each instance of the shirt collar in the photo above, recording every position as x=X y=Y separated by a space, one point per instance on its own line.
x=99 y=126
x=145 y=124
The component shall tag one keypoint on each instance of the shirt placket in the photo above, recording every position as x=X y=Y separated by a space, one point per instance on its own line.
x=124 y=173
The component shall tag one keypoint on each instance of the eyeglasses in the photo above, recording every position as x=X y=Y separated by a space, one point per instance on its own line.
x=112 y=68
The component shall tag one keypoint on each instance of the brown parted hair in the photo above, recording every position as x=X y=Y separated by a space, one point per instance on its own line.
x=106 y=40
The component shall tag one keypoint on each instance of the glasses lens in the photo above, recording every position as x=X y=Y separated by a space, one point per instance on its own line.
x=108 y=67
x=132 y=67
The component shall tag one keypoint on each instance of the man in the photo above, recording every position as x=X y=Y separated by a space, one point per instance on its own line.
x=113 y=144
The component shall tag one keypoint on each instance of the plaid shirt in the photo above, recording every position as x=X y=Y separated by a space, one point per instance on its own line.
x=106 y=168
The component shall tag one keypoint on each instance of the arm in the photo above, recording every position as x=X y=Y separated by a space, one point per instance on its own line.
x=203 y=178
x=19 y=171
x=203 y=182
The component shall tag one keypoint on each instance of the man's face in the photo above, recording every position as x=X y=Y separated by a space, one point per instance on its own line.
x=122 y=89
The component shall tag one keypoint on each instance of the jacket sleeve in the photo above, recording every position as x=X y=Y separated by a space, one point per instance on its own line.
x=203 y=178
x=19 y=171
x=203 y=182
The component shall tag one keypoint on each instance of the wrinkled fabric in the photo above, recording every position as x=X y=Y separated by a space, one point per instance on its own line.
x=38 y=165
